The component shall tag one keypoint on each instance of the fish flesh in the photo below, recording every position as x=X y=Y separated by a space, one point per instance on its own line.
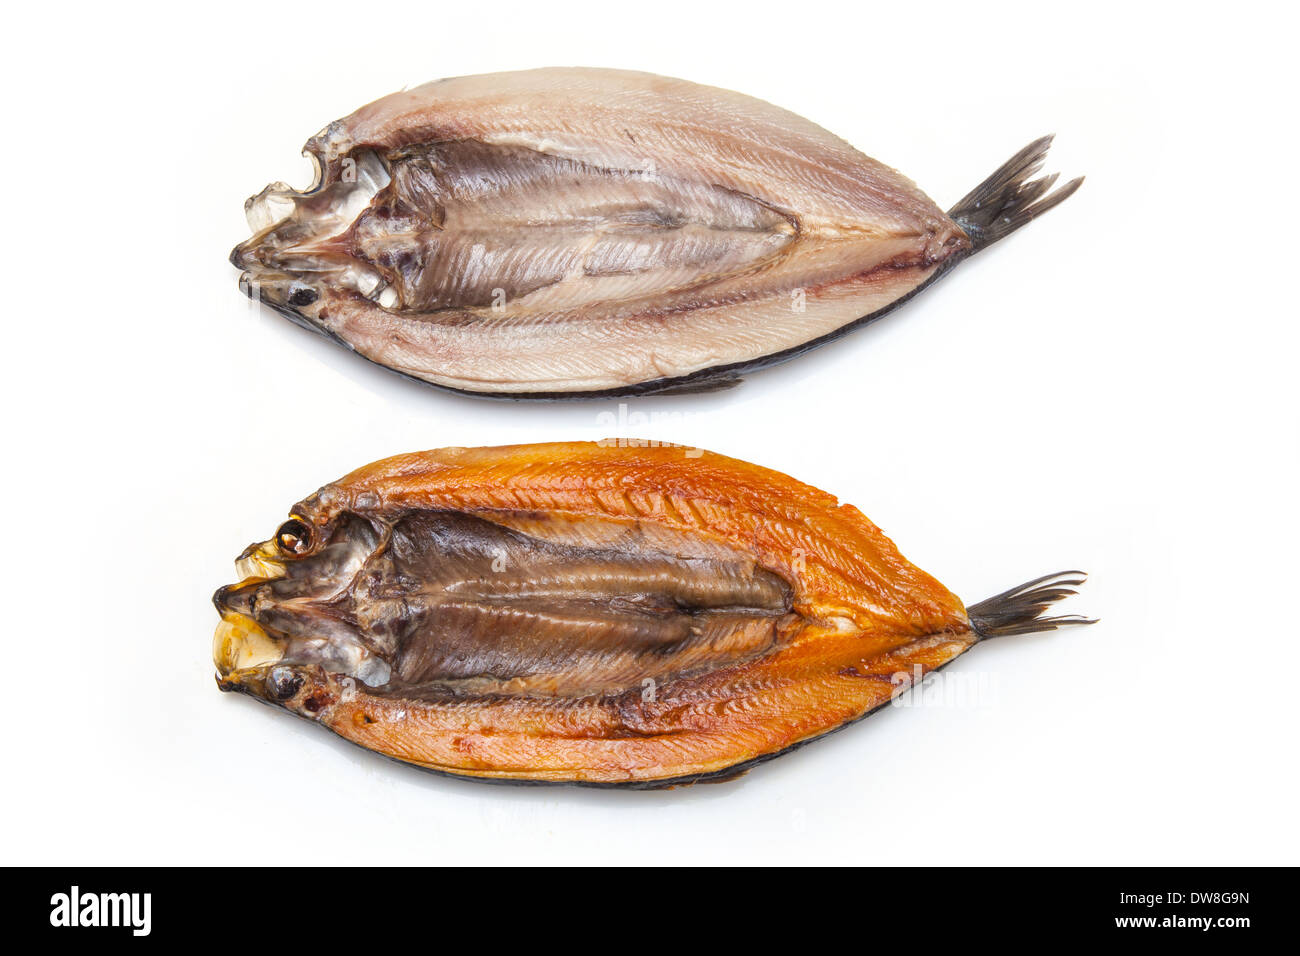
x=583 y=232
x=602 y=613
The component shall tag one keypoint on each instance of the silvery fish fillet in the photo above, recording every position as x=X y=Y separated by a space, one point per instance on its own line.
x=570 y=232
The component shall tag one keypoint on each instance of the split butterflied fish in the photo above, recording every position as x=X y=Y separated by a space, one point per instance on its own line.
x=597 y=613
x=582 y=232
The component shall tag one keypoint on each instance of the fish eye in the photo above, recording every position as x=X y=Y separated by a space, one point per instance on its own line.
x=294 y=537
x=302 y=297
x=283 y=683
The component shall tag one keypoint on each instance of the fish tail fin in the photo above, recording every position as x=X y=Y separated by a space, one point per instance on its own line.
x=1008 y=199
x=1019 y=610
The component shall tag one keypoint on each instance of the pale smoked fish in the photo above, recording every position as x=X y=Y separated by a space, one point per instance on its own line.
x=589 y=613
x=575 y=232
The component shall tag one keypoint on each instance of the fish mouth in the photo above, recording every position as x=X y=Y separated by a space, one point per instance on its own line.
x=299 y=245
x=257 y=564
x=241 y=647
x=261 y=635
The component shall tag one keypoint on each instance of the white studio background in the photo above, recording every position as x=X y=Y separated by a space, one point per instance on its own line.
x=1114 y=389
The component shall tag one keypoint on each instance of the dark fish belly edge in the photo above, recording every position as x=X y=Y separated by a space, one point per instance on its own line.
x=725 y=775
x=718 y=378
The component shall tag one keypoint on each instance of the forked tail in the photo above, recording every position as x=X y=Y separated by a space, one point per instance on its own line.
x=1017 y=611
x=1008 y=199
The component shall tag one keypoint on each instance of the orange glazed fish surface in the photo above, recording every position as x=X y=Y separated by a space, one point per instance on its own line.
x=589 y=613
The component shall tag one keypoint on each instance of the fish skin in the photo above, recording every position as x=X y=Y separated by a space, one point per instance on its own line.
x=847 y=613
x=849 y=236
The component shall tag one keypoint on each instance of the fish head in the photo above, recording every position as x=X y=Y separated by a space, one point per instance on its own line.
x=299 y=256
x=288 y=632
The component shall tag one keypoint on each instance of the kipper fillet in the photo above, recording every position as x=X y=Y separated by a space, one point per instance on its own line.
x=580 y=232
x=589 y=613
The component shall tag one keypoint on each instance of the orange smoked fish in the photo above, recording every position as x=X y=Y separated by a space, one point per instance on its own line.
x=577 y=232
x=589 y=613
